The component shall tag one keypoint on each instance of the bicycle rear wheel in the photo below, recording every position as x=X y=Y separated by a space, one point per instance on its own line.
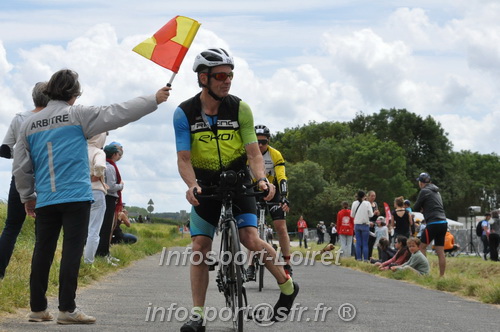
x=235 y=277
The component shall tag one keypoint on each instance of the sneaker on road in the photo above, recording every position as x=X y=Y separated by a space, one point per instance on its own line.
x=284 y=304
x=40 y=316
x=75 y=317
x=194 y=324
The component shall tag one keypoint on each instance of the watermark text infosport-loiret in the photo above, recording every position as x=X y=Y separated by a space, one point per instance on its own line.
x=188 y=256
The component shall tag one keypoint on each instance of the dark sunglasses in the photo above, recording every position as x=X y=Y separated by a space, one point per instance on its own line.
x=222 y=76
x=263 y=141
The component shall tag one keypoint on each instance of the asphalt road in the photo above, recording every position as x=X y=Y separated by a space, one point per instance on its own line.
x=331 y=298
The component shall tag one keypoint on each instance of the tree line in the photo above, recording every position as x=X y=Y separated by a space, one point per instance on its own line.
x=329 y=162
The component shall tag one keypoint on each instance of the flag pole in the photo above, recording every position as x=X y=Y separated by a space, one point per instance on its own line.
x=169 y=84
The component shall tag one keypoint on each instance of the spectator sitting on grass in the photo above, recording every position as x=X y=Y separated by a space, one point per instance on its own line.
x=402 y=255
x=385 y=252
x=417 y=262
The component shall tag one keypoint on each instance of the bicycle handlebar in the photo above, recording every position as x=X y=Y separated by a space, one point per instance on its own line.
x=230 y=185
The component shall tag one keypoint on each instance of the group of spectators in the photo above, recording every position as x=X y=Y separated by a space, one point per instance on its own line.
x=66 y=183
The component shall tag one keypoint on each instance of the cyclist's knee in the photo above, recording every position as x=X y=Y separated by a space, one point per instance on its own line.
x=253 y=244
x=280 y=226
x=201 y=244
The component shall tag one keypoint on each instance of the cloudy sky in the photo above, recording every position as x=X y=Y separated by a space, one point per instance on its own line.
x=296 y=62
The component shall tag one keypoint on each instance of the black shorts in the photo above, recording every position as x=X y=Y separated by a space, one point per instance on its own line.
x=209 y=209
x=276 y=211
x=434 y=232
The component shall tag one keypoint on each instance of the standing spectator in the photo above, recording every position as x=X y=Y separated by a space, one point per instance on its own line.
x=333 y=233
x=302 y=231
x=114 y=153
x=361 y=211
x=52 y=174
x=321 y=230
x=429 y=202
x=97 y=159
x=485 y=224
x=494 y=239
x=381 y=230
x=376 y=213
x=401 y=219
x=140 y=220
x=345 y=229
x=15 y=209
x=413 y=226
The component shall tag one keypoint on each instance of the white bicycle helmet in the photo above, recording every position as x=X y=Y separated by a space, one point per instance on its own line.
x=262 y=130
x=211 y=58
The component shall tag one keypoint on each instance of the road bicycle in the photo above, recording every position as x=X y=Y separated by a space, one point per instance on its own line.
x=231 y=273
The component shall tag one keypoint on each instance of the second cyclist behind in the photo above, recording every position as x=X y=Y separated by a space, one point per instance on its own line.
x=275 y=173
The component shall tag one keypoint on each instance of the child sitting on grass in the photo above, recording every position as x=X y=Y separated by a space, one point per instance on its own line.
x=402 y=255
x=417 y=262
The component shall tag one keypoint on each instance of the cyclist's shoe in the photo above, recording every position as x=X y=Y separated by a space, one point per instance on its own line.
x=194 y=324
x=288 y=270
x=251 y=273
x=284 y=304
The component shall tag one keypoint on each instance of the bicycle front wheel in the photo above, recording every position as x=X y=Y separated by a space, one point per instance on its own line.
x=236 y=279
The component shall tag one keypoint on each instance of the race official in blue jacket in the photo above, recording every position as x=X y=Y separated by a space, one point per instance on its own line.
x=52 y=176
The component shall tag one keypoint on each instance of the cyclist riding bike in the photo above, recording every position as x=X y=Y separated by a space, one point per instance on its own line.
x=275 y=173
x=214 y=132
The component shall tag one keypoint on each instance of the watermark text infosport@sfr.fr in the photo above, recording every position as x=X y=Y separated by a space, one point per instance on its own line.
x=188 y=256
x=261 y=313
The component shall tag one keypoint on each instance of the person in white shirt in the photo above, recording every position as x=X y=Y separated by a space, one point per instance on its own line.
x=361 y=211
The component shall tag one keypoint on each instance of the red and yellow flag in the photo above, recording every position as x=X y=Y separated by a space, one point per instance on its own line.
x=169 y=45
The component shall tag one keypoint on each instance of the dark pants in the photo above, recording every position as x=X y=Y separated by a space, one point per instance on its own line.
x=107 y=226
x=301 y=236
x=494 y=242
x=13 y=224
x=333 y=238
x=371 y=243
x=120 y=237
x=74 y=220
x=486 y=246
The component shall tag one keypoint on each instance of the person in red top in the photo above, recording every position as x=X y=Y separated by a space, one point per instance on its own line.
x=345 y=228
x=302 y=231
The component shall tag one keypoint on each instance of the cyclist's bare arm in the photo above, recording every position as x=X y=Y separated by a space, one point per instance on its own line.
x=187 y=174
x=256 y=163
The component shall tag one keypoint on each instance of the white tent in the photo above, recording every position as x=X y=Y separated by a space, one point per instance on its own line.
x=451 y=223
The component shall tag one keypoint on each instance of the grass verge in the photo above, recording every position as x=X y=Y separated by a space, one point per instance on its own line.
x=466 y=276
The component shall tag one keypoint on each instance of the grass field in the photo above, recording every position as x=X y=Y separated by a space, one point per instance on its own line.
x=14 y=288
x=467 y=276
